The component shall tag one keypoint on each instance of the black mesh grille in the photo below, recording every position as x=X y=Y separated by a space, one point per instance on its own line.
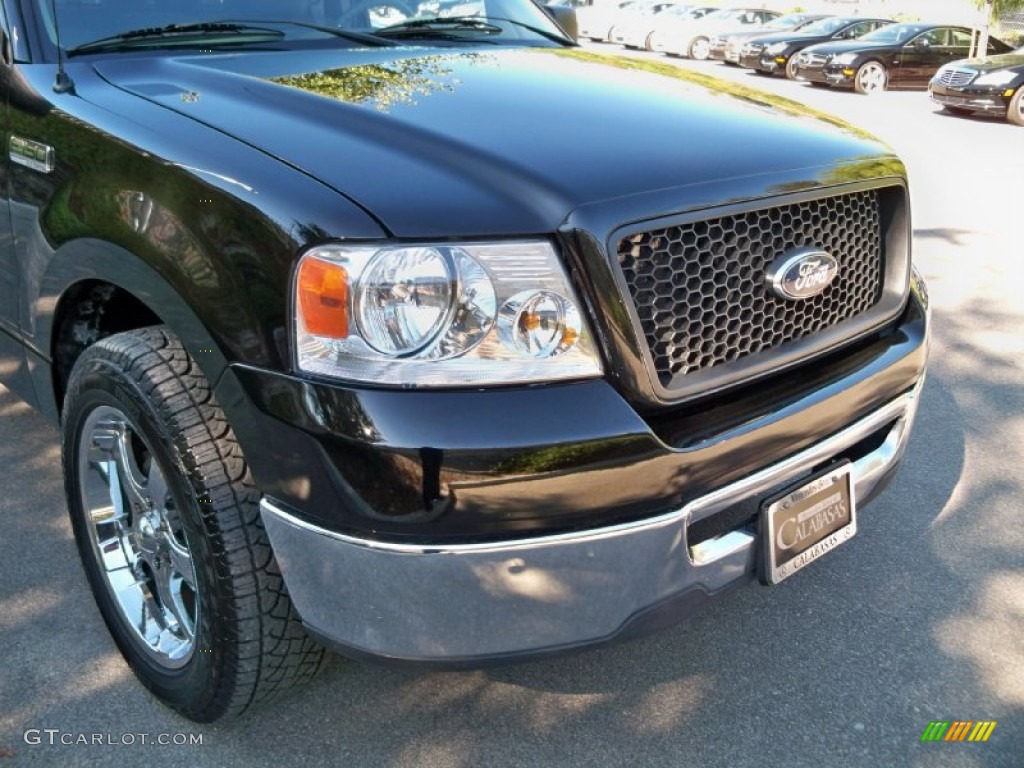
x=700 y=291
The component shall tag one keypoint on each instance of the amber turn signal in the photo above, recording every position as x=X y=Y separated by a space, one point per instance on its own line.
x=323 y=298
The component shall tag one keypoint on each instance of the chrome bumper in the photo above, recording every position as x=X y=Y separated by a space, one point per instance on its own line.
x=469 y=602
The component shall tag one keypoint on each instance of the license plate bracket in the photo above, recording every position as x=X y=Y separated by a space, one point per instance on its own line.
x=807 y=521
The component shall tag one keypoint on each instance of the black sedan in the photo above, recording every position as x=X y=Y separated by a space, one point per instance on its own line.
x=776 y=53
x=726 y=46
x=896 y=56
x=994 y=85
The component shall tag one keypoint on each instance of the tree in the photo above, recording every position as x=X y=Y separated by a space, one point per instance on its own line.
x=1001 y=7
x=992 y=9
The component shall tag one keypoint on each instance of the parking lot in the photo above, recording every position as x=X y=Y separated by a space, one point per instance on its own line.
x=919 y=618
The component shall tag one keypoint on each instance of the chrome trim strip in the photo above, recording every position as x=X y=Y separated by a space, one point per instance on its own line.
x=721 y=546
x=865 y=470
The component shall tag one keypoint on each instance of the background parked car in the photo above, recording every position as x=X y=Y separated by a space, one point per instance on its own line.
x=641 y=13
x=692 y=37
x=776 y=54
x=595 y=22
x=725 y=46
x=896 y=56
x=993 y=85
x=637 y=32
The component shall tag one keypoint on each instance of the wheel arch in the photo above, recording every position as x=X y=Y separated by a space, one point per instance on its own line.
x=92 y=289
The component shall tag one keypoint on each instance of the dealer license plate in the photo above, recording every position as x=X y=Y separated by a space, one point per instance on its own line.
x=804 y=524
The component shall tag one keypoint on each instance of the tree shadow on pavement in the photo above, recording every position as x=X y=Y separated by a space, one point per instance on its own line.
x=918 y=618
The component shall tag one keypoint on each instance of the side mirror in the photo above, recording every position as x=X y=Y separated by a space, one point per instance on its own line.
x=565 y=17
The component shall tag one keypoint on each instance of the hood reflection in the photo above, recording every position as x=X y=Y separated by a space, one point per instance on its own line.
x=386 y=85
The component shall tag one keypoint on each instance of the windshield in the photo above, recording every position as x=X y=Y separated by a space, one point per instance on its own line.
x=86 y=21
x=824 y=26
x=786 y=22
x=686 y=12
x=727 y=15
x=897 y=33
x=720 y=15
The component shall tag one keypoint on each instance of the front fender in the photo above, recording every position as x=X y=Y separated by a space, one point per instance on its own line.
x=90 y=259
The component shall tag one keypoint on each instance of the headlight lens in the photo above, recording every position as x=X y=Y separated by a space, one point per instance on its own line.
x=996 y=78
x=775 y=48
x=844 y=58
x=539 y=324
x=403 y=299
x=440 y=315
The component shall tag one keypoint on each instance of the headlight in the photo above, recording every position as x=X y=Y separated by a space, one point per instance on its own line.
x=844 y=59
x=753 y=47
x=440 y=315
x=996 y=78
x=775 y=48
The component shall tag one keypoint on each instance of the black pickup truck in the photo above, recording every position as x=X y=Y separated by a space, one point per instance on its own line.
x=433 y=338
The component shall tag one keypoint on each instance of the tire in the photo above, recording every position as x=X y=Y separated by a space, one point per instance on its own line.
x=152 y=467
x=700 y=49
x=871 y=78
x=1015 y=112
x=958 y=111
x=791 y=68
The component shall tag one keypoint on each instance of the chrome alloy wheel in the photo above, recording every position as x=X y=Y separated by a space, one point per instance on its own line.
x=137 y=537
x=700 y=49
x=871 y=78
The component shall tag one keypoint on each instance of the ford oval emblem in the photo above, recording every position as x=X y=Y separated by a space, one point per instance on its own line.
x=802 y=273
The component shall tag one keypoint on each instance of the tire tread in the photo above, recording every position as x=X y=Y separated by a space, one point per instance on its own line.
x=269 y=651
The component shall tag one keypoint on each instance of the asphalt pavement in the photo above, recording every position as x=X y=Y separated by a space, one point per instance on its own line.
x=919 y=618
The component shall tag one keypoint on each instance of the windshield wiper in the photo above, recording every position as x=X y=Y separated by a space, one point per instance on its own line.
x=553 y=36
x=344 y=34
x=415 y=27
x=180 y=33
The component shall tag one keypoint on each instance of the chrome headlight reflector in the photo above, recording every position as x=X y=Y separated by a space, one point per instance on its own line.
x=404 y=299
x=844 y=59
x=440 y=315
x=775 y=48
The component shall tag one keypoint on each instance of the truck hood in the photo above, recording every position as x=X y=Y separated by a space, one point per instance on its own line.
x=478 y=142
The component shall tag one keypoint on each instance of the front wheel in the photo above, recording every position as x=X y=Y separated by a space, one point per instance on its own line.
x=168 y=527
x=871 y=78
x=791 y=68
x=700 y=49
x=1015 y=112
